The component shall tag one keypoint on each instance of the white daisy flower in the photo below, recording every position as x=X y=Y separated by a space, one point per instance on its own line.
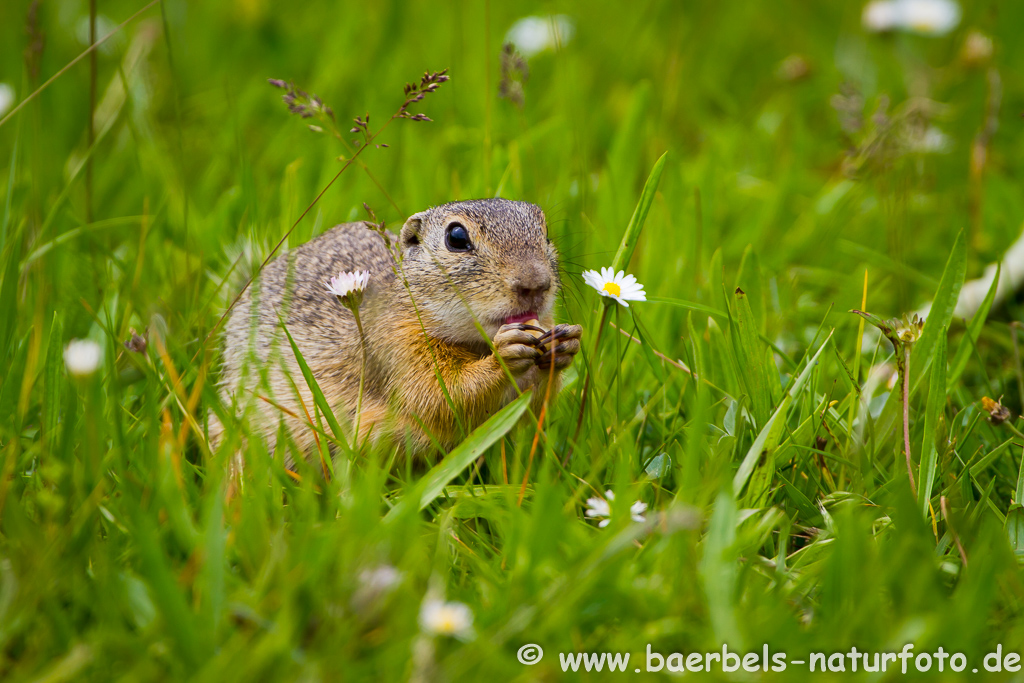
x=880 y=15
x=82 y=357
x=928 y=17
x=619 y=286
x=601 y=507
x=380 y=578
x=441 y=618
x=637 y=510
x=531 y=35
x=374 y=584
x=347 y=282
x=6 y=98
x=349 y=286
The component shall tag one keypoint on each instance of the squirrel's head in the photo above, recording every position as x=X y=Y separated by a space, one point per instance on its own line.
x=488 y=259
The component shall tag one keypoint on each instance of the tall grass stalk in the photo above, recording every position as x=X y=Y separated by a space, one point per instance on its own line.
x=905 y=387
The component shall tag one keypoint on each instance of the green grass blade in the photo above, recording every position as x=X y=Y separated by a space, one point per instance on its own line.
x=627 y=145
x=636 y=223
x=716 y=282
x=69 y=236
x=719 y=569
x=53 y=370
x=768 y=438
x=657 y=366
x=8 y=300
x=970 y=340
x=1019 y=493
x=682 y=303
x=938 y=321
x=466 y=453
x=167 y=593
x=318 y=394
x=976 y=469
x=214 y=562
x=750 y=358
x=14 y=375
x=941 y=313
x=933 y=410
x=11 y=175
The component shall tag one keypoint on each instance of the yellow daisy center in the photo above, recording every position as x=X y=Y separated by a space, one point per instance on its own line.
x=612 y=288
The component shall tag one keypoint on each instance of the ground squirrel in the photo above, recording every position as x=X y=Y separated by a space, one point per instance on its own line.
x=486 y=261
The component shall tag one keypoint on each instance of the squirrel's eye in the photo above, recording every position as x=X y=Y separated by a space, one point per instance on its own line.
x=457 y=238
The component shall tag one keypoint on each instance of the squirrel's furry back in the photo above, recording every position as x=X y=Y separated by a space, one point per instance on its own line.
x=292 y=289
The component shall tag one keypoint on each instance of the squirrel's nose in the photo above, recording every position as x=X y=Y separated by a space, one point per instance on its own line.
x=532 y=284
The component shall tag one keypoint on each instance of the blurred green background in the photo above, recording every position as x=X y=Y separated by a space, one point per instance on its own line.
x=802 y=149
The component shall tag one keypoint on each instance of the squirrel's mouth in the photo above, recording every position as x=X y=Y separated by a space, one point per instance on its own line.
x=520 y=318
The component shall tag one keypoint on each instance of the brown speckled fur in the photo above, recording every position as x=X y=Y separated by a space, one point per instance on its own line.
x=511 y=269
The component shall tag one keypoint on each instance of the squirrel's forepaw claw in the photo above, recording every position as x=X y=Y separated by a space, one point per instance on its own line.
x=520 y=350
x=565 y=331
x=560 y=332
x=560 y=356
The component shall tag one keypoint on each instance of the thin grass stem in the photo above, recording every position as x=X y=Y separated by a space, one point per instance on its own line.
x=905 y=379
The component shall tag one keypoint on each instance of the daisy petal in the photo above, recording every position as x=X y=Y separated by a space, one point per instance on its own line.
x=620 y=286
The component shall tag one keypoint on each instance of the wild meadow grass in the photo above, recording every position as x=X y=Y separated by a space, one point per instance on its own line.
x=763 y=169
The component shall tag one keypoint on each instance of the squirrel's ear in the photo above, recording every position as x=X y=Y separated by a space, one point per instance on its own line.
x=410 y=236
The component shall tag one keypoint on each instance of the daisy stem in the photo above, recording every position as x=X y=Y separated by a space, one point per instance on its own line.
x=362 y=372
x=586 y=385
x=618 y=356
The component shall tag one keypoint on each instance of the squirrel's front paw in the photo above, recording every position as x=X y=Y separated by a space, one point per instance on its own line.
x=563 y=343
x=517 y=348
